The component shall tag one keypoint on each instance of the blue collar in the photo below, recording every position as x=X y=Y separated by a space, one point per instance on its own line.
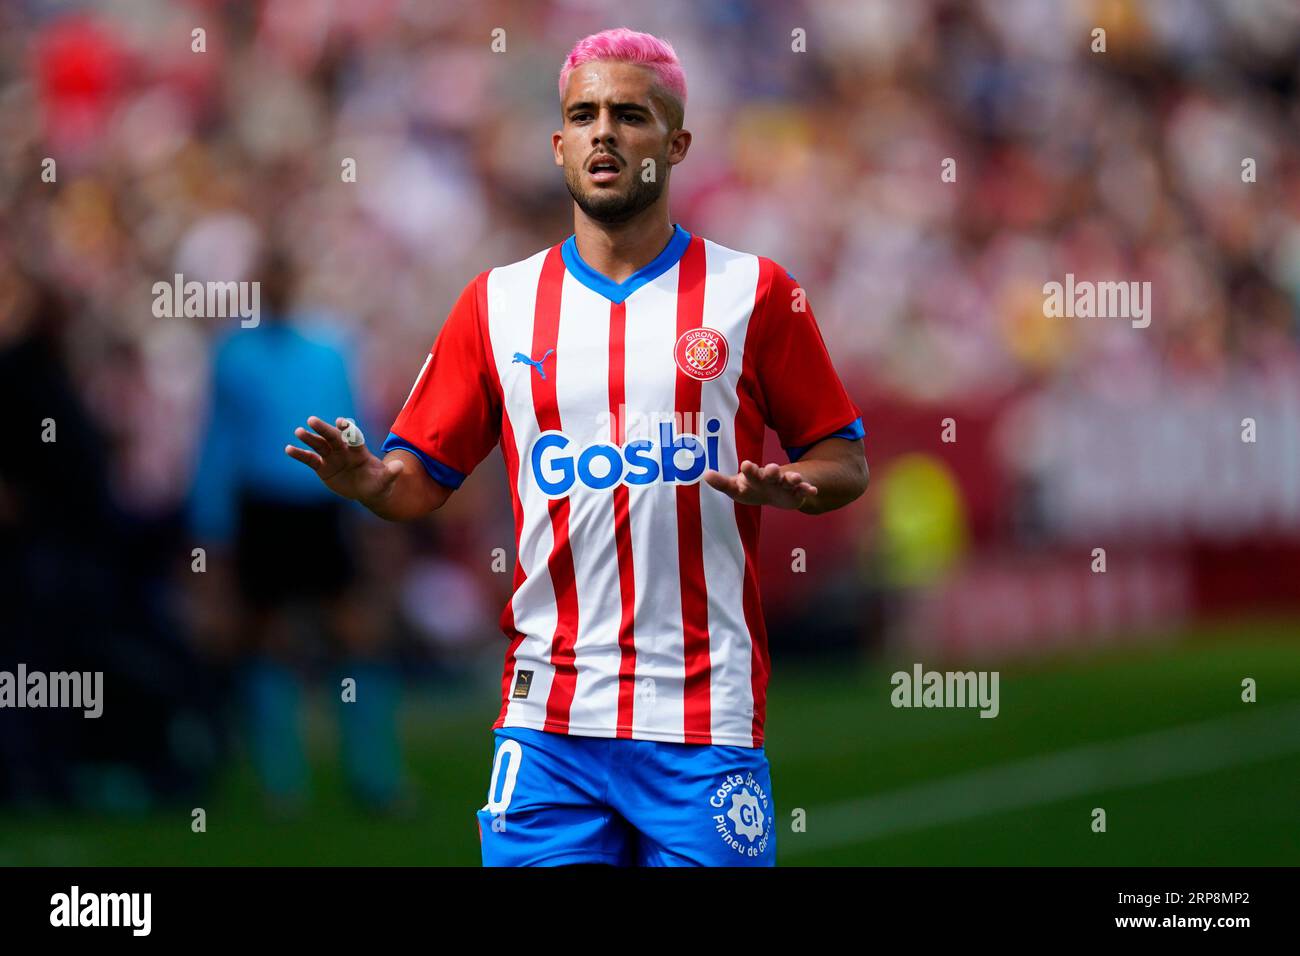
x=618 y=291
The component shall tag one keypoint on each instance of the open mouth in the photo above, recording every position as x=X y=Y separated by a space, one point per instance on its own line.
x=603 y=170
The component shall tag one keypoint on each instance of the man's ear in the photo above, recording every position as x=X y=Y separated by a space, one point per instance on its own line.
x=681 y=143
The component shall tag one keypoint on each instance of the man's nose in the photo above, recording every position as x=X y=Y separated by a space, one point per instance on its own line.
x=602 y=130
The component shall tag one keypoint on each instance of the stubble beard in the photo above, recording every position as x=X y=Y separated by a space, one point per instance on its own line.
x=610 y=207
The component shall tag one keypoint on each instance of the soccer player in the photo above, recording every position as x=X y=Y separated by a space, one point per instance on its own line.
x=627 y=373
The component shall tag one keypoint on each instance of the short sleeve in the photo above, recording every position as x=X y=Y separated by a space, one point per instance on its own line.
x=803 y=398
x=452 y=416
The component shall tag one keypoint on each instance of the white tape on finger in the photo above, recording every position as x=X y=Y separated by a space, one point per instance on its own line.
x=352 y=433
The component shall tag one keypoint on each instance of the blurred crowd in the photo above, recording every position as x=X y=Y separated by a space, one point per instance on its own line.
x=821 y=135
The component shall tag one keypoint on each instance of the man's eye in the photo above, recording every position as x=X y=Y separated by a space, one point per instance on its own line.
x=632 y=116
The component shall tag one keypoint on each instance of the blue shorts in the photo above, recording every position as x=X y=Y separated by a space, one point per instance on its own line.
x=556 y=798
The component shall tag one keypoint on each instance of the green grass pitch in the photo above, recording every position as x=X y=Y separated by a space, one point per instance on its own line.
x=1153 y=731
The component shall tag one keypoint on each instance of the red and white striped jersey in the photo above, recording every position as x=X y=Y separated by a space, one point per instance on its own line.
x=635 y=610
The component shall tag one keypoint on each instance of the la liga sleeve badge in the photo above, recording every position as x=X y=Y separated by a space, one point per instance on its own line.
x=701 y=353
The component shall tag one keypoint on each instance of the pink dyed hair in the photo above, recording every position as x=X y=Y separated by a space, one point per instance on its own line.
x=627 y=46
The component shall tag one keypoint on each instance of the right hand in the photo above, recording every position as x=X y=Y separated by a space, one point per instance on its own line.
x=351 y=472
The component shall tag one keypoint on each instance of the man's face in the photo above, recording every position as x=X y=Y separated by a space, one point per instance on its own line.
x=614 y=114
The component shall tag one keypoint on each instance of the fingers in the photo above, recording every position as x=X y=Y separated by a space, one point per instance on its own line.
x=317 y=444
x=769 y=474
x=766 y=484
x=308 y=458
x=727 y=484
x=794 y=481
x=771 y=477
x=350 y=432
x=327 y=431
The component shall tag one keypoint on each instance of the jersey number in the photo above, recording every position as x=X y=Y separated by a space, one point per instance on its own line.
x=516 y=754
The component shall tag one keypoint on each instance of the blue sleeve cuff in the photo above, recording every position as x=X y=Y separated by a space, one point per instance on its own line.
x=443 y=474
x=852 y=431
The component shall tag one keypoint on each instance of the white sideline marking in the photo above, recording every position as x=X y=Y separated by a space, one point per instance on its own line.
x=1148 y=758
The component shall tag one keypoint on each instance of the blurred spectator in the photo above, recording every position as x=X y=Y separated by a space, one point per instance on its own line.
x=286 y=538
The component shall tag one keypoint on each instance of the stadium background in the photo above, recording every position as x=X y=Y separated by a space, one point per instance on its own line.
x=1119 y=690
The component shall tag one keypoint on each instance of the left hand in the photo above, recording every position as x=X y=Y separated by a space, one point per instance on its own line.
x=767 y=485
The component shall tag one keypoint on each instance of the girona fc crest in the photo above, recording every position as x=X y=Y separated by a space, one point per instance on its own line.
x=701 y=353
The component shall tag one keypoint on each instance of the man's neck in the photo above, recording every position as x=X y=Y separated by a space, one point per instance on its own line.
x=616 y=251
